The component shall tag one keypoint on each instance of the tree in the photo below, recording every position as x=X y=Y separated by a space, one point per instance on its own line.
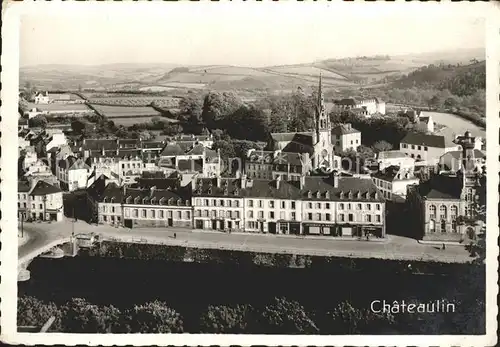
x=284 y=316
x=381 y=146
x=219 y=106
x=79 y=316
x=38 y=121
x=225 y=319
x=154 y=317
x=34 y=312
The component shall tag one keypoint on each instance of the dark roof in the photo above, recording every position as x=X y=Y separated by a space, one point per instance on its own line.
x=343 y=129
x=208 y=187
x=152 y=144
x=97 y=187
x=159 y=183
x=153 y=174
x=177 y=197
x=441 y=187
x=270 y=189
x=346 y=101
x=193 y=165
x=424 y=140
x=172 y=149
x=43 y=188
x=390 y=173
x=67 y=163
x=112 y=191
x=99 y=144
x=349 y=189
x=458 y=154
x=271 y=157
x=391 y=155
x=197 y=150
x=23 y=187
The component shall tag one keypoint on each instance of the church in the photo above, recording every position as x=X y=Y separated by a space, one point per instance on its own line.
x=316 y=143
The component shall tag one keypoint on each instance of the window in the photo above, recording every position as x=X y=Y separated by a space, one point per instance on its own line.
x=404 y=145
x=327 y=216
x=250 y=203
x=351 y=217
x=236 y=203
x=292 y=214
x=293 y=204
x=143 y=213
x=112 y=209
x=282 y=215
x=453 y=212
x=368 y=218
x=261 y=203
x=19 y=205
x=309 y=205
x=197 y=213
x=318 y=216
x=205 y=213
x=443 y=226
x=261 y=214
x=135 y=213
x=271 y=215
x=250 y=214
x=221 y=202
x=179 y=215
x=187 y=214
x=214 y=213
x=348 y=206
x=469 y=195
x=41 y=206
x=432 y=212
x=318 y=205
x=153 y=213
x=419 y=148
x=377 y=206
x=369 y=207
x=378 y=218
x=360 y=207
x=442 y=212
x=412 y=146
x=327 y=205
x=283 y=204
x=341 y=217
x=425 y=148
x=454 y=225
x=341 y=206
x=309 y=216
x=271 y=203
x=228 y=214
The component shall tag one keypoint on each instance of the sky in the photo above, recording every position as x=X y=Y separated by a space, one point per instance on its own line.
x=238 y=35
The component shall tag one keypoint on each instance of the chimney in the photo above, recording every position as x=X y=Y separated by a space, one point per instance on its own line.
x=302 y=181
x=102 y=151
x=335 y=176
x=218 y=181
x=124 y=190
x=238 y=174
x=348 y=126
x=243 y=180
x=278 y=181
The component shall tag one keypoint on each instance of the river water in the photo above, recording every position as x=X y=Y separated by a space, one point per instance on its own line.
x=456 y=124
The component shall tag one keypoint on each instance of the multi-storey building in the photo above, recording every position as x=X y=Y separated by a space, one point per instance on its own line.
x=394 y=158
x=270 y=164
x=439 y=203
x=73 y=173
x=424 y=147
x=42 y=201
x=345 y=137
x=393 y=181
x=368 y=106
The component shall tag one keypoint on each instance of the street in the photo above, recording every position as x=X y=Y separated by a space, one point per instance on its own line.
x=396 y=247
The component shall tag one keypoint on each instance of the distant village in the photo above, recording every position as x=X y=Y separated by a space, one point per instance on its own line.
x=296 y=185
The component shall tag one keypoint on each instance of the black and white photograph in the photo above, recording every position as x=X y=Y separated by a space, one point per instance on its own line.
x=233 y=170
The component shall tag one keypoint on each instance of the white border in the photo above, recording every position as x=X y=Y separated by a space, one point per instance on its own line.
x=8 y=255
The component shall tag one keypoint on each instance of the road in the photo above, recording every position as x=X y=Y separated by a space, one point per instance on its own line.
x=395 y=247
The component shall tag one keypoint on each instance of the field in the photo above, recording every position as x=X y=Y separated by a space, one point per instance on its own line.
x=112 y=112
x=307 y=71
x=59 y=107
x=135 y=101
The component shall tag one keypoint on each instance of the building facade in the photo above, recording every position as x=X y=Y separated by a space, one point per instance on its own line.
x=345 y=137
x=42 y=201
x=424 y=147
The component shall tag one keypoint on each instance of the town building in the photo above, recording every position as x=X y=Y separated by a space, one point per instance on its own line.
x=393 y=181
x=442 y=202
x=73 y=173
x=190 y=157
x=394 y=158
x=317 y=143
x=367 y=106
x=452 y=162
x=345 y=137
x=42 y=201
x=41 y=98
x=425 y=147
x=270 y=164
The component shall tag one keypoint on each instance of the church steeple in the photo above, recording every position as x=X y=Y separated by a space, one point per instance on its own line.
x=321 y=118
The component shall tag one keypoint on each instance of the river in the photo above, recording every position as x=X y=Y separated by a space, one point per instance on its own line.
x=456 y=124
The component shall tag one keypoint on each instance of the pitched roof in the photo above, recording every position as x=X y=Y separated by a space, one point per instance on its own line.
x=208 y=187
x=172 y=149
x=346 y=186
x=343 y=129
x=441 y=187
x=159 y=183
x=269 y=189
x=424 y=140
x=458 y=154
x=23 y=187
x=391 y=155
x=112 y=190
x=44 y=188
x=391 y=173
x=346 y=102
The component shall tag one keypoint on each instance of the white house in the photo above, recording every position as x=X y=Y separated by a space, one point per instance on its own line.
x=369 y=106
x=391 y=158
x=42 y=98
x=427 y=148
x=452 y=162
x=73 y=173
x=44 y=201
x=393 y=181
x=345 y=137
x=57 y=139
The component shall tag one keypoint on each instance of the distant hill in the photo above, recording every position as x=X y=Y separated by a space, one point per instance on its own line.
x=337 y=73
x=459 y=79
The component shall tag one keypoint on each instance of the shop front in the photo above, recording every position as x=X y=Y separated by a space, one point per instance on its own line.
x=286 y=227
x=319 y=229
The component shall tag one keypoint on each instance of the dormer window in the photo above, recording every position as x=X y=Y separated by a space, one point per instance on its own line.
x=179 y=202
x=112 y=200
x=136 y=200
x=376 y=196
x=341 y=195
x=327 y=195
x=153 y=200
x=226 y=191
x=367 y=195
x=188 y=203
x=309 y=194
x=171 y=201
x=359 y=195
x=209 y=190
x=318 y=194
x=162 y=200
x=128 y=200
x=350 y=195
x=236 y=191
